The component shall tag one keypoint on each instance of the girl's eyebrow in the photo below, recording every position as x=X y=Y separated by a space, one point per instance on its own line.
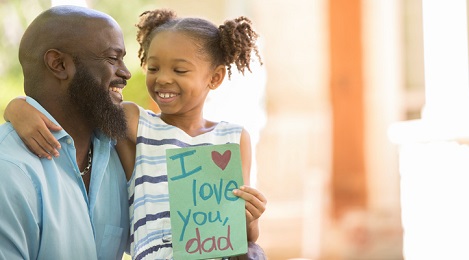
x=174 y=60
x=182 y=60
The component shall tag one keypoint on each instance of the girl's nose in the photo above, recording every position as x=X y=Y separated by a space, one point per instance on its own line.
x=162 y=78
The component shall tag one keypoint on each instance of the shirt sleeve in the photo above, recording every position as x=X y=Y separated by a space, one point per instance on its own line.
x=19 y=214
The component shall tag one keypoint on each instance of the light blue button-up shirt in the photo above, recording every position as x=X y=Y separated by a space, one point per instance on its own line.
x=45 y=211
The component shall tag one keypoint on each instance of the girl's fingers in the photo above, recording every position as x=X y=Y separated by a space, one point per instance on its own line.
x=50 y=125
x=40 y=146
x=249 y=216
x=254 y=192
x=42 y=142
x=48 y=142
x=255 y=201
x=35 y=148
x=253 y=211
x=47 y=135
x=34 y=128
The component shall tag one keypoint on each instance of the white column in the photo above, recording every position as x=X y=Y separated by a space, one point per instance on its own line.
x=446 y=112
x=433 y=154
x=383 y=82
x=446 y=60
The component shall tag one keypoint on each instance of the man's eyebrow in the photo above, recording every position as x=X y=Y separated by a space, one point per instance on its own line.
x=116 y=50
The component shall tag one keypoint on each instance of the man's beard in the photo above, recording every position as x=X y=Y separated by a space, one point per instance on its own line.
x=96 y=105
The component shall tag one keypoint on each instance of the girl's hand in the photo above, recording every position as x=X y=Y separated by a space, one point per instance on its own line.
x=33 y=127
x=255 y=202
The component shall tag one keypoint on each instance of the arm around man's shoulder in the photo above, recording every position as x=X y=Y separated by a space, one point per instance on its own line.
x=132 y=115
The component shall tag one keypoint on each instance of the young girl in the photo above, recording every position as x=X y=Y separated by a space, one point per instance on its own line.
x=184 y=58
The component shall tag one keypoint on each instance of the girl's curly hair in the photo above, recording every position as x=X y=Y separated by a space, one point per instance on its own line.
x=233 y=42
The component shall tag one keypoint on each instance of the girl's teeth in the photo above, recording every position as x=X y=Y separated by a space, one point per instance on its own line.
x=166 y=95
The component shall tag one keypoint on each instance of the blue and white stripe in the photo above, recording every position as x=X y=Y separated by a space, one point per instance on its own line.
x=148 y=187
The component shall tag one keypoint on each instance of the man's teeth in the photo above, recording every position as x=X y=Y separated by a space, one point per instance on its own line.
x=166 y=95
x=118 y=90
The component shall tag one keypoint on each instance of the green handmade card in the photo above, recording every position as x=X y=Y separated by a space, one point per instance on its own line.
x=207 y=220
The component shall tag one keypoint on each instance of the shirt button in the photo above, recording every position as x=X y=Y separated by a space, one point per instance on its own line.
x=69 y=141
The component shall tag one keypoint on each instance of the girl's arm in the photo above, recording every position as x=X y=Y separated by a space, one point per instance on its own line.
x=33 y=127
x=255 y=200
x=126 y=148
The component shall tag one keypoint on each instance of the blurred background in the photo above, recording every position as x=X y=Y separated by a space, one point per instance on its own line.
x=357 y=117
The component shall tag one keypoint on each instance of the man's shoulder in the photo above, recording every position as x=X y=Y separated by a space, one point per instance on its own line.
x=12 y=149
x=9 y=139
x=19 y=169
x=6 y=129
x=16 y=170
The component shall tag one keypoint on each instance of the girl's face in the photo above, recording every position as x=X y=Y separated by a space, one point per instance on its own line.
x=178 y=77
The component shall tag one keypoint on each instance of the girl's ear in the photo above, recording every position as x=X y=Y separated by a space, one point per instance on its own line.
x=217 y=77
x=56 y=62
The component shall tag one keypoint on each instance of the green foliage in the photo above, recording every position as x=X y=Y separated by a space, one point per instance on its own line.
x=12 y=86
x=17 y=14
x=136 y=90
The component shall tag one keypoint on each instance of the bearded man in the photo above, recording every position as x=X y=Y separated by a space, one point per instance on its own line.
x=75 y=205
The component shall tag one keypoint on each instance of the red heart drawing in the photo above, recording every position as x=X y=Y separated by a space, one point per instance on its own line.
x=221 y=160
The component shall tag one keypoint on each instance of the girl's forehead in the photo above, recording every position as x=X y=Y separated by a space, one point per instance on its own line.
x=173 y=36
x=174 y=43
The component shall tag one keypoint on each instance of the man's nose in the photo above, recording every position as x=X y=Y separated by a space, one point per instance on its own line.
x=124 y=73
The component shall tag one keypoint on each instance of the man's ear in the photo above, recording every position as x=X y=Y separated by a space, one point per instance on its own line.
x=217 y=76
x=56 y=62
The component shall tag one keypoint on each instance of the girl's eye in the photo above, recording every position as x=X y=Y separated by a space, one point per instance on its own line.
x=152 y=69
x=180 y=71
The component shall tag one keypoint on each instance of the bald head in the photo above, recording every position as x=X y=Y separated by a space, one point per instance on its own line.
x=64 y=28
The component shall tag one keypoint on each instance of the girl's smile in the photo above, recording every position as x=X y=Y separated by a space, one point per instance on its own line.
x=166 y=97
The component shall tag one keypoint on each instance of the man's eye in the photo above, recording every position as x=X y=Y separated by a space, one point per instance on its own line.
x=112 y=59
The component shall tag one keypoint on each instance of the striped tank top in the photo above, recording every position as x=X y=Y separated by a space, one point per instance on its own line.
x=150 y=225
